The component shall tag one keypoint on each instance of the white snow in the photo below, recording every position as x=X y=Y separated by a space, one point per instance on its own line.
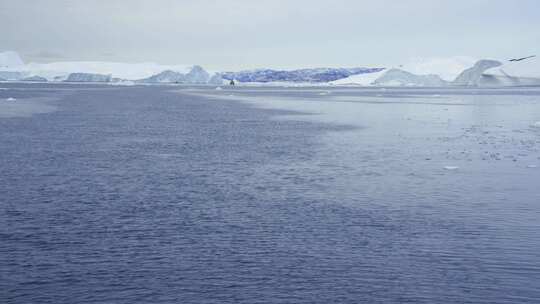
x=360 y=79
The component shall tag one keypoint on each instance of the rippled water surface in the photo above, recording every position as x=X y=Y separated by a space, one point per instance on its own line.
x=269 y=195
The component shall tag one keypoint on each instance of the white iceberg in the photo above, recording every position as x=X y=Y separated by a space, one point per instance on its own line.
x=397 y=77
x=216 y=79
x=167 y=76
x=473 y=75
x=197 y=75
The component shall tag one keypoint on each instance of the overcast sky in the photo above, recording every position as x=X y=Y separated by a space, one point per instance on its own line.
x=237 y=34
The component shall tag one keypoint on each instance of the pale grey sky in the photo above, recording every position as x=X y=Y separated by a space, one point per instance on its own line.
x=237 y=34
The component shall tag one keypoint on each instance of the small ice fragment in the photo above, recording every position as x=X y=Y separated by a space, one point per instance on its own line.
x=324 y=93
x=451 y=168
x=11 y=99
x=532 y=166
x=536 y=124
x=219 y=89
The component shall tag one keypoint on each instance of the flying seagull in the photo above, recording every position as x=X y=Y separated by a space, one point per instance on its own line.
x=519 y=59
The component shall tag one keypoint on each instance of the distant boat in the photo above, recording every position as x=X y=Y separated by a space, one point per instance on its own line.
x=523 y=58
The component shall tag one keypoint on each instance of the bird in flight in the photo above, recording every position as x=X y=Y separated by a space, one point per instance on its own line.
x=523 y=58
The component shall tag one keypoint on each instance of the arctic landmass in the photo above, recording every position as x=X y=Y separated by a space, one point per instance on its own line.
x=431 y=72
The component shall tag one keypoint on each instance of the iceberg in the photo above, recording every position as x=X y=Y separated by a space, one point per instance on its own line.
x=88 y=77
x=472 y=76
x=397 y=77
x=13 y=68
x=513 y=73
x=167 y=76
x=216 y=79
x=34 y=79
x=12 y=75
x=197 y=75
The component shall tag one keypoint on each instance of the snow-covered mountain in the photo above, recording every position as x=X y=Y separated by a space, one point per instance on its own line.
x=318 y=75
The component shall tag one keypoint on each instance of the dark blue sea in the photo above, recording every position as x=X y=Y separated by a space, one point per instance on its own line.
x=171 y=194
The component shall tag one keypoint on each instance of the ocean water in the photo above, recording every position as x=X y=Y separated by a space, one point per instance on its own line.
x=268 y=195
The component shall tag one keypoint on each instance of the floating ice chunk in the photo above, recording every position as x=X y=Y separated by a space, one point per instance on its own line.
x=532 y=166
x=536 y=124
x=324 y=93
x=219 y=89
x=11 y=99
x=451 y=168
